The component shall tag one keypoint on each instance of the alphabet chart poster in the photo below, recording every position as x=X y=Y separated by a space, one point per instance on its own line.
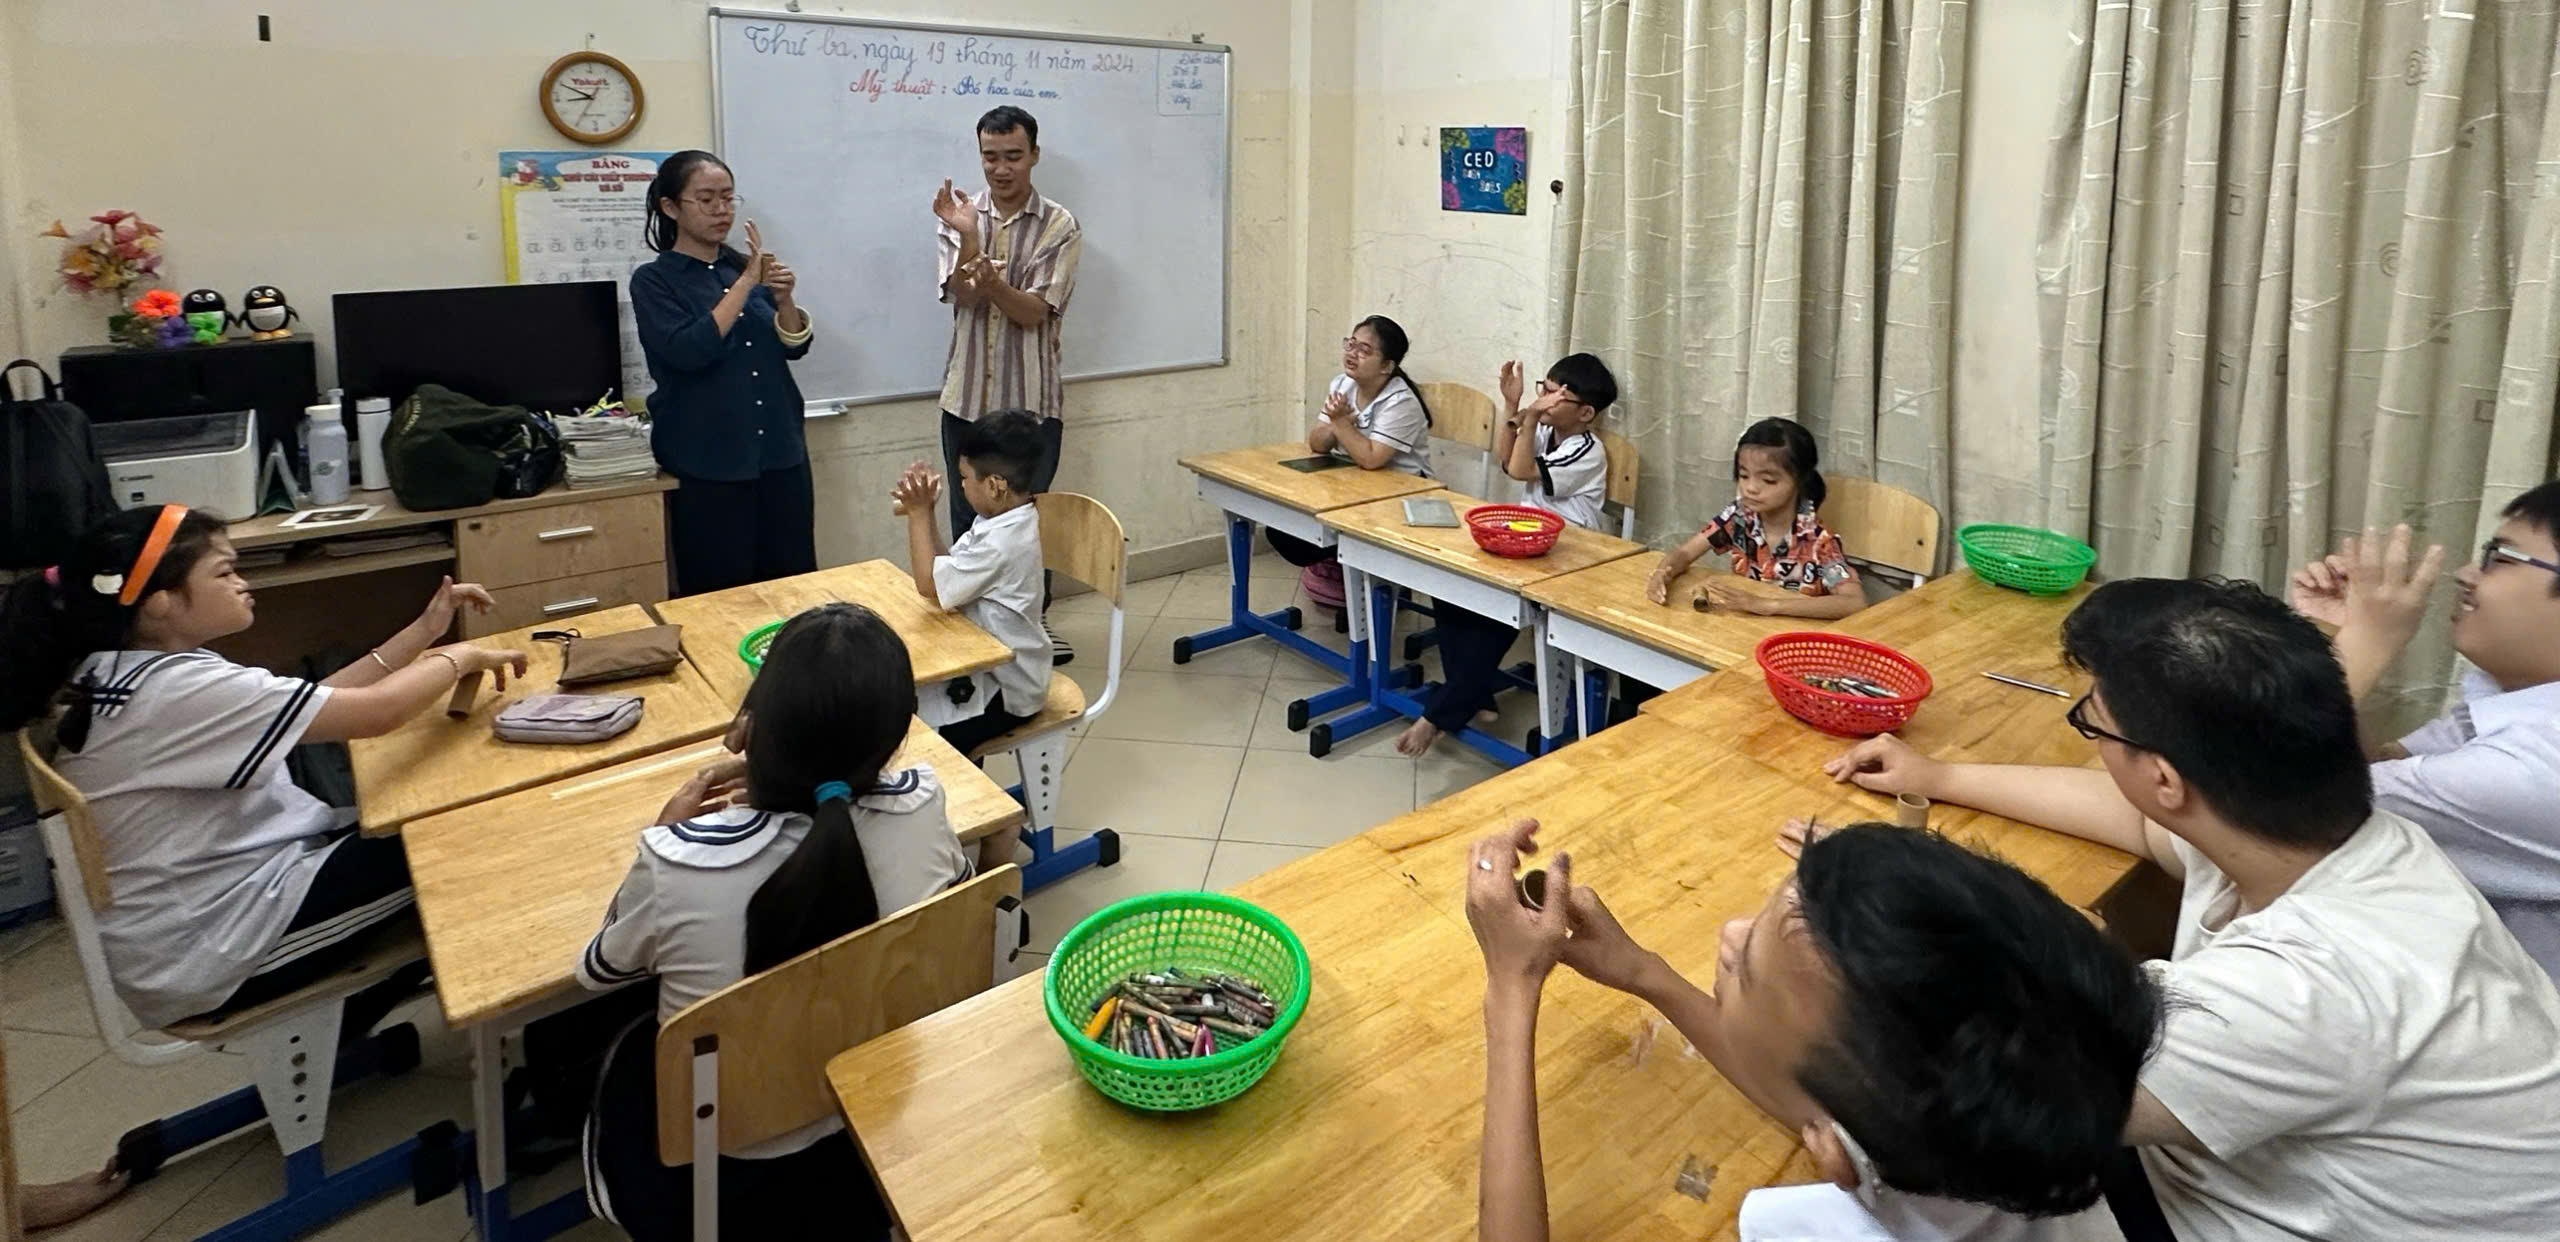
x=1485 y=168
x=577 y=215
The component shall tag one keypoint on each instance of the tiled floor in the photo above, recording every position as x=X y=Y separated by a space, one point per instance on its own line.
x=1193 y=765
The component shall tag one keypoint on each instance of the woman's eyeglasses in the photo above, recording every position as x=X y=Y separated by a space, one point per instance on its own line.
x=708 y=202
x=2078 y=719
x=1353 y=346
x=2493 y=552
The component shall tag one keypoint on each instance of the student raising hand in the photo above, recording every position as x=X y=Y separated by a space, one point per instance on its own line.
x=1512 y=381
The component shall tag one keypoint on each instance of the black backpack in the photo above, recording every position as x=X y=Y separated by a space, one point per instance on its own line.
x=449 y=451
x=53 y=485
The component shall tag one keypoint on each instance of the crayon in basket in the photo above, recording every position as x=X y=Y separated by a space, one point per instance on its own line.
x=1173 y=1015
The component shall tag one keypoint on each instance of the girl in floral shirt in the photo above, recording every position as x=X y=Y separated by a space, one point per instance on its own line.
x=1772 y=533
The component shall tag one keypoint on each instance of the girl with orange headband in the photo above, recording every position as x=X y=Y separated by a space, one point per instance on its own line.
x=230 y=884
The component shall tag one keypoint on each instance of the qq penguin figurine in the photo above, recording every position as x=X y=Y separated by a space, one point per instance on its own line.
x=264 y=312
x=207 y=315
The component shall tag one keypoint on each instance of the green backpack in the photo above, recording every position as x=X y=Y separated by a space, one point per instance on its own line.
x=448 y=451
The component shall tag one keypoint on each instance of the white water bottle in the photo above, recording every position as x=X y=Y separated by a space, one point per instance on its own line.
x=328 y=454
x=373 y=418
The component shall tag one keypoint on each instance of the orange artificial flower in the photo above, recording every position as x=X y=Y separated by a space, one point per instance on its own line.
x=157 y=304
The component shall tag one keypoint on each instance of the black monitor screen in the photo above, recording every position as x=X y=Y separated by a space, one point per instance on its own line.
x=553 y=348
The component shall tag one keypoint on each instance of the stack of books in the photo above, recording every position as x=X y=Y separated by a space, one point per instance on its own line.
x=607 y=448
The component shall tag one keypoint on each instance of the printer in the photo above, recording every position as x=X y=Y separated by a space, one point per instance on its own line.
x=202 y=461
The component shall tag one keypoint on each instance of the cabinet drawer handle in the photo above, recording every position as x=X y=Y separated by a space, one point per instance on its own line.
x=570 y=605
x=565 y=532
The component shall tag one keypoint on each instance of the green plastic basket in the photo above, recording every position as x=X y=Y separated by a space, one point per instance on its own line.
x=759 y=640
x=1206 y=932
x=2023 y=558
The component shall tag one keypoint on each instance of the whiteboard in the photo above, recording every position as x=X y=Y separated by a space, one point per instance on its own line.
x=839 y=131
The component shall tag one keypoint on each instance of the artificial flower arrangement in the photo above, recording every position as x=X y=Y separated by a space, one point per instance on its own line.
x=117 y=252
x=120 y=249
x=152 y=320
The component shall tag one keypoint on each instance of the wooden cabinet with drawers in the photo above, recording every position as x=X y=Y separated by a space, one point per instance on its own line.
x=544 y=558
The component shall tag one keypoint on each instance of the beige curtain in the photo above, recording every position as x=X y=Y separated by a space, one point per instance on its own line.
x=2296 y=276
x=1759 y=219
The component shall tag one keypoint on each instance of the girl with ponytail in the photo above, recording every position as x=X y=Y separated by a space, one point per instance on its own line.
x=231 y=886
x=804 y=837
x=1373 y=414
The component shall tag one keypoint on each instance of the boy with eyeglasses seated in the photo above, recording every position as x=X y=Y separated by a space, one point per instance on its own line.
x=2483 y=778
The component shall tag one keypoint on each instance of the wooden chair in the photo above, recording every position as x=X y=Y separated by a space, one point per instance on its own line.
x=748 y=1063
x=292 y=1042
x=1883 y=527
x=1623 y=463
x=1463 y=416
x=1081 y=540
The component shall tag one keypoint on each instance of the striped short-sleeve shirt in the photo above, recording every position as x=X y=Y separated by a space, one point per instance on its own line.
x=995 y=363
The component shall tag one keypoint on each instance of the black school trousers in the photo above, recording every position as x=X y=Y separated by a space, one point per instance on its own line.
x=1471 y=649
x=732 y=534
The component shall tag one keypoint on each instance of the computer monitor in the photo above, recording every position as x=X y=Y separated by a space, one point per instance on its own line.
x=548 y=347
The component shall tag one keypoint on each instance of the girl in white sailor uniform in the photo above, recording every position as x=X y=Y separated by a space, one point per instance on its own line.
x=231 y=885
x=820 y=841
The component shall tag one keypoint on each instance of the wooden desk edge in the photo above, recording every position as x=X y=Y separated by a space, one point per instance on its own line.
x=268 y=530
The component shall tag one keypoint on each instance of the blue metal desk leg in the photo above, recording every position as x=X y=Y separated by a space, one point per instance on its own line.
x=1243 y=622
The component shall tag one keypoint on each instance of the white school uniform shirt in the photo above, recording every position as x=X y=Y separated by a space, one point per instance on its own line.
x=209 y=846
x=992 y=576
x=2370 y=1056
x=681 y=913
x=1822 y=1212
x=1394 y=417
x=1573 y=478
x=2484 y=780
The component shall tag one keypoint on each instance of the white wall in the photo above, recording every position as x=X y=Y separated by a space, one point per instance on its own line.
x=357 y=151
x=1471 y=289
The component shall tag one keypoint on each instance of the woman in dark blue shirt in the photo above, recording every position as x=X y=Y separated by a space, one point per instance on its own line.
x=717 y=328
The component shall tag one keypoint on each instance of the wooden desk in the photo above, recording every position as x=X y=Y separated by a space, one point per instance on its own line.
x=436 y=763
x=1957 y=627
x=1257 y=472
x=1252 y=488
x=510 y=890
x=941 y=644
x=1368 y=1125
x=1445 y=563
x=1602 y=616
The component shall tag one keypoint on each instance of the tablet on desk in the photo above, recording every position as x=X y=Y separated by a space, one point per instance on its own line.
x=1309 y=465
x=1429 y=512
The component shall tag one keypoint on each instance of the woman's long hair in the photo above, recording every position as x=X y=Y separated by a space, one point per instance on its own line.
x=830 y=705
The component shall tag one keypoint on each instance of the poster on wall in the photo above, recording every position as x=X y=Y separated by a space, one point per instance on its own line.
x=1485 y=168
x=577 y=215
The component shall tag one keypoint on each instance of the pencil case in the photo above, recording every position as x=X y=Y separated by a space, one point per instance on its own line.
x=568 y=719
x=616 y=657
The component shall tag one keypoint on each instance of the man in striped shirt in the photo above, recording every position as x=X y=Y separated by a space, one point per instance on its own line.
x=1008 y=265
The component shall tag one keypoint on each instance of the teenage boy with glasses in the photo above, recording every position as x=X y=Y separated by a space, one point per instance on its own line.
x=2484 y=778
x=2355 y=1048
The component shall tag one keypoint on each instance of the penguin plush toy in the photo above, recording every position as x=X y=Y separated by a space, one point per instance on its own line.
x=207 y=315
x=264 y=312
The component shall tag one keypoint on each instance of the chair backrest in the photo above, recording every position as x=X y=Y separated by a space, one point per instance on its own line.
x=1462 y=416
x=1882 y=525
x=71 y=840
x=1080 y=538
x=1623 y=463
x=56 y=795
x=774 y=1033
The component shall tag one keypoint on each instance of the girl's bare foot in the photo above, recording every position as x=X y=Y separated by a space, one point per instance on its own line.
x=60 y=1203
x=1417 y=739
x=1487 y=718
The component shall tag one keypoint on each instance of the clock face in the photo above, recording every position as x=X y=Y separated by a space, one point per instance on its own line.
x=592 y=99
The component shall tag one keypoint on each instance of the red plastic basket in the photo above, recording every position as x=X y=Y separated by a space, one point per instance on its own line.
x=1497 y=529
x=1787 y=659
